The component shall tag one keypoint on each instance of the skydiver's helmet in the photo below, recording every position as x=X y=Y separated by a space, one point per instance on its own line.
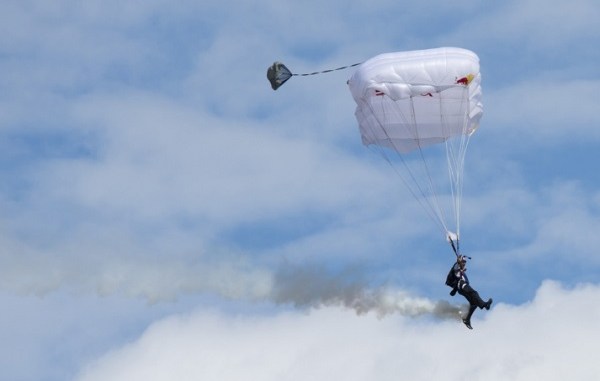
x=462 y=261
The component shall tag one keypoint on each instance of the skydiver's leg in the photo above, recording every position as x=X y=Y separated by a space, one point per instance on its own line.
x=473 y=297
x=476 y=299
x=467 y=319
x=472 y=309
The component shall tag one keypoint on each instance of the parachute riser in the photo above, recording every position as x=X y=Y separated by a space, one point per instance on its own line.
x=454 y=247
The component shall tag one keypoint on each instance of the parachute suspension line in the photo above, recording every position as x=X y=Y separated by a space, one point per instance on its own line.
x=466 y=138
x=431 y=207
x=456 y=159
x=423 y=201
x=449 y=158
x=426 y=206
x=460 y=159
x=435 y=205
x=457 y=180
x=326 y=71
x=453 y=172
x=385 y=156
x=431 y=197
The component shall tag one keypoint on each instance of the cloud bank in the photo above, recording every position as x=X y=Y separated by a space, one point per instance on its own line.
x=554 y=337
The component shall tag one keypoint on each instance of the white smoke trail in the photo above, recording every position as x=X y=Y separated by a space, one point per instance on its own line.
x=232 y=278
x=312 y=287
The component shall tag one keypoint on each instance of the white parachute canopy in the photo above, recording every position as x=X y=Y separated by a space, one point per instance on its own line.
x=415 y=102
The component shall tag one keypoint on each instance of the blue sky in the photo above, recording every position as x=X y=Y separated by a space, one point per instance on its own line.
x=165 y=215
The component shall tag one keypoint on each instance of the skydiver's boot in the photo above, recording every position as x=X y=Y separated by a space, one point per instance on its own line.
x=467 y=323
x=488 y=304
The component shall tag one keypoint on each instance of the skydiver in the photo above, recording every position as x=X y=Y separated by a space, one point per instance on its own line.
x=458 y=281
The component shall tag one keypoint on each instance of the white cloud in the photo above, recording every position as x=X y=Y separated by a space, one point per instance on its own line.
x=548 y=221
x=544 y=109
x=530 y=26
x=154 y=161
x=552 y=338
x=566 y=228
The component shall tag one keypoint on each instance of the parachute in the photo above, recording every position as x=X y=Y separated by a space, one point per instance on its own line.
x=416 y=105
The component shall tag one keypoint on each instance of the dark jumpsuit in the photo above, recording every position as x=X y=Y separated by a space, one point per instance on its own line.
x=458 y=280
